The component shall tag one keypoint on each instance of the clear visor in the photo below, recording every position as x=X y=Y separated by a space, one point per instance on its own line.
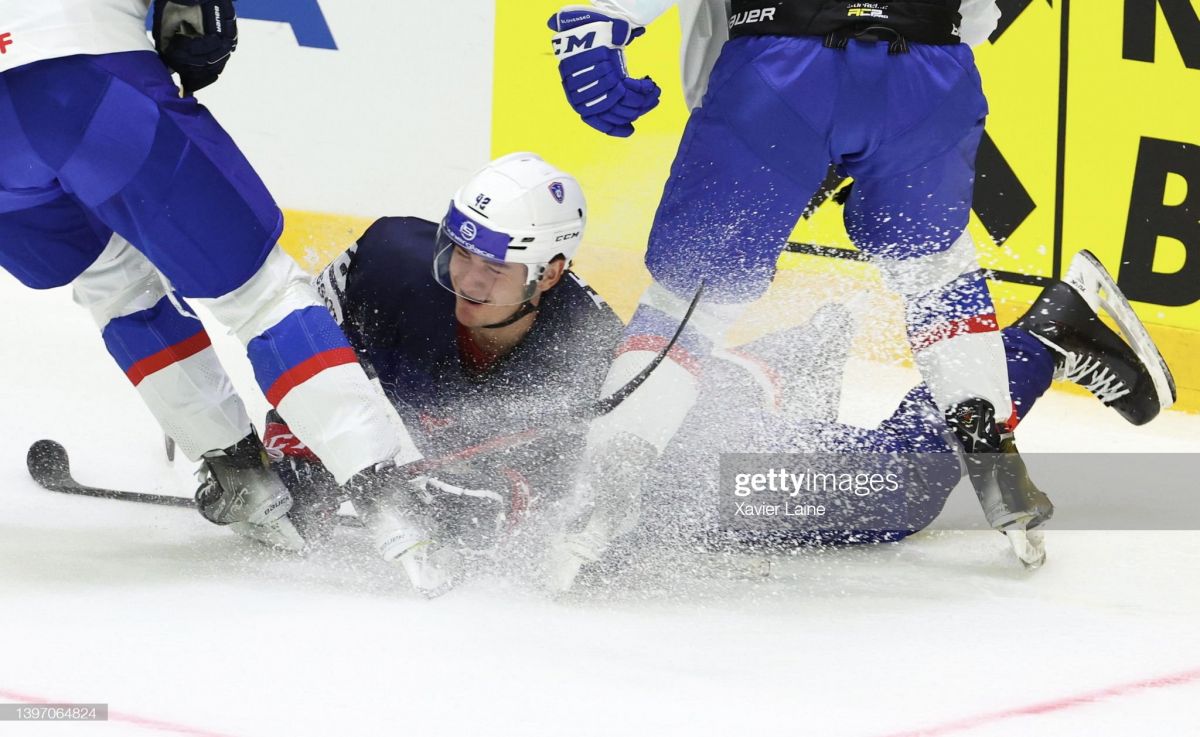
x=480 y=278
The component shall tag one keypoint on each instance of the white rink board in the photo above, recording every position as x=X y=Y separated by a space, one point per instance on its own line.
x=391 y=122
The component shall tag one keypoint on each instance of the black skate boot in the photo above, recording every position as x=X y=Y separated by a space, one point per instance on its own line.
x=1126 y=373
x=239 y=489
x=1012 y=503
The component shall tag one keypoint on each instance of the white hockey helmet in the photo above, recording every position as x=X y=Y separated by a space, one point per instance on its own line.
x=505 y=226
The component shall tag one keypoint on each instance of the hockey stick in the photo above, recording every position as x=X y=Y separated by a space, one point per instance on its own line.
x=50 y=466
x=590 y=411
x=601 y=407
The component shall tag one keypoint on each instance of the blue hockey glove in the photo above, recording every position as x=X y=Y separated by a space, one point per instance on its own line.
x=589 y=46
x=195 y=38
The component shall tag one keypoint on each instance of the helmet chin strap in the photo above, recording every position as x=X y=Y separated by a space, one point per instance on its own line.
x=526 y=308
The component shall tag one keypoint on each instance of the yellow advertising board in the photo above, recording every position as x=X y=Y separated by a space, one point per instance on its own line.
x=1093 y=142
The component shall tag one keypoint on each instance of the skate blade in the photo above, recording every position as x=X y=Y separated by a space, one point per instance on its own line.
x=432 y=573
x=280 y=534
x=1029 y=547
x=565 y=559
x=1093 y=282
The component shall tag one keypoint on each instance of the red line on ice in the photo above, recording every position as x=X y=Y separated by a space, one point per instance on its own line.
x=118 y=716
x=1047 y=707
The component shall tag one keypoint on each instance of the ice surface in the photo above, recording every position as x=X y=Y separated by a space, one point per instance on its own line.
x=183 y=628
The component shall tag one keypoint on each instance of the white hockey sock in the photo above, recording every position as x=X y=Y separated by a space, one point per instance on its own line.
x=164 y=352
x=325 y=396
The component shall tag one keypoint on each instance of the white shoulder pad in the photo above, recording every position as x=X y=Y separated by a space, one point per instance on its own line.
x=331 y=283
x=641 y=12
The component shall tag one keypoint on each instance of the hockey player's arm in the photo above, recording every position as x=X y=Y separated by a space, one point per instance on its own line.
x=195 y=38
x=589 y=45
x=333 y=286
x=296 y=465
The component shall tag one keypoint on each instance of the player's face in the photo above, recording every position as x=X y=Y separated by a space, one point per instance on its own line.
x=486 y=290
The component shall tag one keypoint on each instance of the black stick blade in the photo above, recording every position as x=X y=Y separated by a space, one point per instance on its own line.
x=49 y=464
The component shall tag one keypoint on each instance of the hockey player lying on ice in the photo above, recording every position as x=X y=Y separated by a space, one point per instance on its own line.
x=500 y=336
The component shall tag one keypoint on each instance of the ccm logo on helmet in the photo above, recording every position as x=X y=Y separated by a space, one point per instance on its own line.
x=567 y=237
x=5 y=42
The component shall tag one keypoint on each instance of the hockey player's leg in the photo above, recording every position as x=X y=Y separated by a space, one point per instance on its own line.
x=798 y=371
x=737 y=187
x=1062 y=337
x=914 y=221
x=168 y=357
x=909 y=209
x=163 y=350
x=308 y=371
x=914 y=224
x=179 y=188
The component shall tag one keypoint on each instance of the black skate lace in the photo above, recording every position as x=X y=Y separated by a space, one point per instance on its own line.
x=1106 y=385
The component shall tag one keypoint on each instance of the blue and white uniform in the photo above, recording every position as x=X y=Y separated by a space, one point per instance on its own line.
x=109 y=179
x=776 y=112
x=52 y=29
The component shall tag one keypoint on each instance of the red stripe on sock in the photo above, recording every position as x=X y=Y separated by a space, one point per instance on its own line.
x=302 y=372
x=1014 y=419
x=167 y=356
x=654 y=344
x=774 y=388
x=946 y=330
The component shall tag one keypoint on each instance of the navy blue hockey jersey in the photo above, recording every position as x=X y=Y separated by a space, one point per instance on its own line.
x=402 y=324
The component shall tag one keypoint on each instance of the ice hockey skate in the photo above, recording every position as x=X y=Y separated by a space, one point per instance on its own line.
x=1012 y=503
x=1125 y=371
x=402 y=535
x=238 y=488
x=613 y=505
